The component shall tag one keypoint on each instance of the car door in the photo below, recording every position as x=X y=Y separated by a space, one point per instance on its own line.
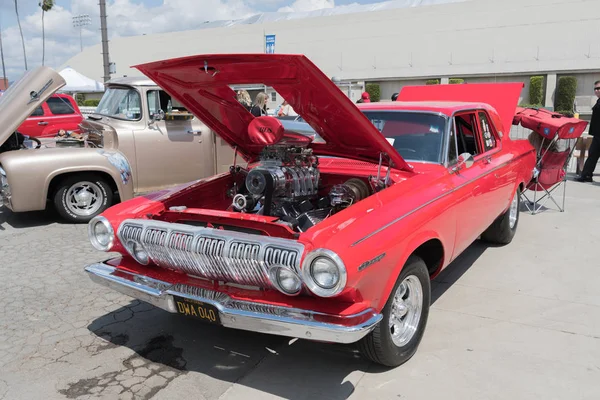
x=63 y=115
x=35 y=124
x=174 y=150
x=496 y=184
x=469 y=188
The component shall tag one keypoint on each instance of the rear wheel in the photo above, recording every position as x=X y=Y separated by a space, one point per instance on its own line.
x=396 y=338
x=81 y=197
x=504 y=227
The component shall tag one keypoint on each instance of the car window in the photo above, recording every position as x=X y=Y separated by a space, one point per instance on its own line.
x=416 y=136
x=120 y=103
x=452 y=150
x=39 y=111
x=466 y=133
x=161 y=100
x=489 y=141
x=60 y=106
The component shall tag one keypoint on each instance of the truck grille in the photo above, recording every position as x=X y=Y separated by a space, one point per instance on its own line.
x=219 y=255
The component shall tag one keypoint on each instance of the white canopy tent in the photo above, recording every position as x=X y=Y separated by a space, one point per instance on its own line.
x=78 y=83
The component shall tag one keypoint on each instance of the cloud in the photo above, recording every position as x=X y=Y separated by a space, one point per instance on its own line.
x=125 y=18
x=307 y=5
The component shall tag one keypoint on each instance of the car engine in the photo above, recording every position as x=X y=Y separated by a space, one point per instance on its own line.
x=286 y=185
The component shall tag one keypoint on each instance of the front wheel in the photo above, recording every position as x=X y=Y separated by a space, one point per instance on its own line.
x=503 y=229
x=81 y=197
x=396 y=338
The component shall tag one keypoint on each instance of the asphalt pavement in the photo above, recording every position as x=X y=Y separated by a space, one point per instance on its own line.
x=515 y=322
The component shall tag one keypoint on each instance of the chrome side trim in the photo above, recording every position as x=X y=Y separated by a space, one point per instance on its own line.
x=236 y=314
x=433 y=201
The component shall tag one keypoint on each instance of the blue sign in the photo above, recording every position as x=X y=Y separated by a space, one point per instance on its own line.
x=270 y=44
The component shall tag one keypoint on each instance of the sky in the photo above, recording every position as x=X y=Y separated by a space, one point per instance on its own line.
x=125 y=18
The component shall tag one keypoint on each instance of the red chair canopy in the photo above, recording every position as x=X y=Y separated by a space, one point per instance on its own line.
x=549 y=124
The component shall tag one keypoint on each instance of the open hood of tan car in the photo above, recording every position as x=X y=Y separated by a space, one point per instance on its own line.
x=24 y=96
x=203 y=85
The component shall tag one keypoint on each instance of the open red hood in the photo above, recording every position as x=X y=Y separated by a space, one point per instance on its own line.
x=201 y=84
x=503 y=97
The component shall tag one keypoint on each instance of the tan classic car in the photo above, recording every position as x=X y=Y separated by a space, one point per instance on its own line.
x=138 y=140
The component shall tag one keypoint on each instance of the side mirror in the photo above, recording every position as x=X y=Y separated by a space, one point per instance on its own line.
x=158 y=116
x=465 y=160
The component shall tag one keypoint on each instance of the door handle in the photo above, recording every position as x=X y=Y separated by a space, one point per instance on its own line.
x=196 y=133
x=42 y=123
x=487 y=160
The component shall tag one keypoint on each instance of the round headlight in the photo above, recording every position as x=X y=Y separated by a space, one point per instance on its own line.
x=324 y=273
x=285 y=280
x=139 y=253
x=101 y=233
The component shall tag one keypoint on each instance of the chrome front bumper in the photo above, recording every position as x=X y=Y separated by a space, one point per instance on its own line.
x=237 y=314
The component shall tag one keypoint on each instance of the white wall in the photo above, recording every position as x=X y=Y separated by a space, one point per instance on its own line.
x=482 y=37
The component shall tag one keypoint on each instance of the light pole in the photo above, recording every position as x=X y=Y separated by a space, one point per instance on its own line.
x=80 y=21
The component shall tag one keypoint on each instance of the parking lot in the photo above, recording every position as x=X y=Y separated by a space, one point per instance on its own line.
x=514 y=322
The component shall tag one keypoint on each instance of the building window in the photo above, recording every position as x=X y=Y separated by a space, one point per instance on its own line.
x=273 y=96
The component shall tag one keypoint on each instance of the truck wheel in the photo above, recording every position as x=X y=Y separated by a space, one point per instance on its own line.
x=79 y=198
x=504 y=227
x=396 y=338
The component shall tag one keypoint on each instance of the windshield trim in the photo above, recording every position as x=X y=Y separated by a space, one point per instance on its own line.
x=444 y=149
x=124 y=119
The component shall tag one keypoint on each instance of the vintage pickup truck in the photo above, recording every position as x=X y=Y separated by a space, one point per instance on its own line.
x=333 y=239
x=138 y=140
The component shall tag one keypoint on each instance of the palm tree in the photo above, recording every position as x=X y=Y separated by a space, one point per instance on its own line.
x=46 y=6
x=21 y=30
x=2 y=59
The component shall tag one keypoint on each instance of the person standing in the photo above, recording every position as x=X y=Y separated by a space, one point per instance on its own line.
x=594 y=153
x=260 y=105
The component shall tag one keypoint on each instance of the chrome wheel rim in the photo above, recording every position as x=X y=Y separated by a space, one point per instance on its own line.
x=514 y=211
x=405 y=314
x=84 y=198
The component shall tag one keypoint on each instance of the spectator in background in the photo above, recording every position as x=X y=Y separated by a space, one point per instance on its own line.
x=594 y=153
x=364 y=98
x=260 y=105
x=395 y=96
x=243 y=97
x=286 y=110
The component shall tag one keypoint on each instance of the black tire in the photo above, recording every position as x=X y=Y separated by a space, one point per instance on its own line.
x=378 y=346
x=501 y=232
x=99 y=184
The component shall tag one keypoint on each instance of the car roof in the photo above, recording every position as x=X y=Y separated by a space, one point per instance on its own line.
x=442 y=107
x=132 y=80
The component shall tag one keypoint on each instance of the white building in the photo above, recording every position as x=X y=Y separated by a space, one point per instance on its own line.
x=396 y=45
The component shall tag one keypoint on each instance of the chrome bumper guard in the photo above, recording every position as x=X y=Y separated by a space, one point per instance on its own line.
x=244 y=315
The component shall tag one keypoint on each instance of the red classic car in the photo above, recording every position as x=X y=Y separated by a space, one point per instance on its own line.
x=60 y=111
x=333 y=240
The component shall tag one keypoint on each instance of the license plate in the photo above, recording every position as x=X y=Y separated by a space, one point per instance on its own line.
x=197 y=309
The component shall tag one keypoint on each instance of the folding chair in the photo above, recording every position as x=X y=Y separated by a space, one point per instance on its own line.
x=554 y=136
x=549 y=174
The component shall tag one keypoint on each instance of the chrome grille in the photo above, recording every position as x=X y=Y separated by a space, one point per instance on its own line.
x=213 y=254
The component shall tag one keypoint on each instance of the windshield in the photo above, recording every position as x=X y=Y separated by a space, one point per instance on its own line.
x=121 y=103
x=416 y=136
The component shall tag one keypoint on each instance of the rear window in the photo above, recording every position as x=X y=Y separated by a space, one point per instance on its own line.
x=60 y=106
x=38 y=112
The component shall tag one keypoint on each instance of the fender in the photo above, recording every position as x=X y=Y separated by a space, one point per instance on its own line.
x=413 y=244
x=30 y=172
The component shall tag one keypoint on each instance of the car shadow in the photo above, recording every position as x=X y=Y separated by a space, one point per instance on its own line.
x=27 y=219
x=457 y=268
x=170 y=346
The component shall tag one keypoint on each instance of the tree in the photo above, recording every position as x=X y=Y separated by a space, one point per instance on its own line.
x=21 y=30
x=46 y=6
x=2 y=58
